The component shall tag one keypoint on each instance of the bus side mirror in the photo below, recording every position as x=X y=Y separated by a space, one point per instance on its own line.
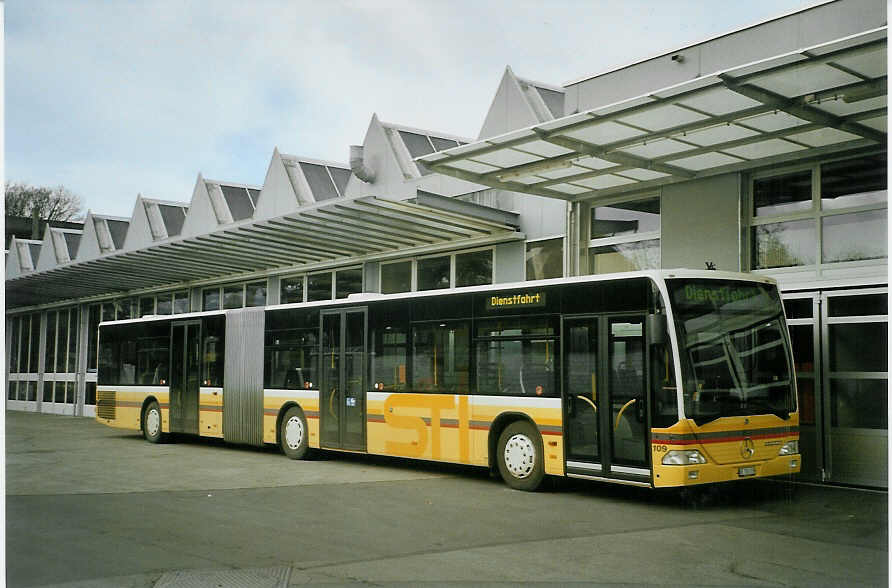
x=656 y=329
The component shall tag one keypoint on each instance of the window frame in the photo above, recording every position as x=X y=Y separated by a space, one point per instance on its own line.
x=452 y=267
x=814 y=213
x=622 y=239
x=527 y=243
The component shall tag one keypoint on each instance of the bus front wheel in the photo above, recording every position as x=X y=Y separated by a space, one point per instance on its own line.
x=520 y=456
x=151 y=423
x=293 y=434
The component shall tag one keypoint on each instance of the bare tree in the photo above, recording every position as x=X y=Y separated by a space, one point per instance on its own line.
x=39 y=202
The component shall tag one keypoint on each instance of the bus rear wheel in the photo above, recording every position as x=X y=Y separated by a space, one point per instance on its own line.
x=151 y=423
x=520 y=456
x=293 y=434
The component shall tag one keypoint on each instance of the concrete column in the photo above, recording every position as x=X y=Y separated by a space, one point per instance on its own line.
x=195 y=299
x=83 y=340
x=41 y=361
x=273 y=290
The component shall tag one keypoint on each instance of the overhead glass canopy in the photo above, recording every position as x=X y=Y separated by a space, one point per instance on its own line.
x=313 y=236
x=824 y=99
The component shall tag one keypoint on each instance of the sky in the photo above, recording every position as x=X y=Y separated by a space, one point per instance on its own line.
x=116 y=98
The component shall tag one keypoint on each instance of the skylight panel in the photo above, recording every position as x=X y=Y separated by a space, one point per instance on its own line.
x=173 y=217
x=340 y=177
x=72 y=241
x=239 y=202
x=34 y=249
x=118 y=230
x=418 y=145
x=319 y=180
x=441 y=144
x=553 y=99
x=255 y=196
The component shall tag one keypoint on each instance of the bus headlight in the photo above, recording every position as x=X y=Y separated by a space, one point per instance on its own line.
x=789 y=448
x=683 y=457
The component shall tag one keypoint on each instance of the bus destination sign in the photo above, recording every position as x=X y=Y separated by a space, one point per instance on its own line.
x=524 y=300
x=720 y=295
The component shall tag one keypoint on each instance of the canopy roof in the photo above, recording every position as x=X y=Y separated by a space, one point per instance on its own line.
x=824 y=99
x=315 y=235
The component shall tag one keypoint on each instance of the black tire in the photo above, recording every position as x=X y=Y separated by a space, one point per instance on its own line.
x=520 y=456
x=293 y=434
x=151 y=423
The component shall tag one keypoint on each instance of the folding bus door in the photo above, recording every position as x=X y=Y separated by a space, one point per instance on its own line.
x=185 y=340
x=342 y=402
x=604 y=396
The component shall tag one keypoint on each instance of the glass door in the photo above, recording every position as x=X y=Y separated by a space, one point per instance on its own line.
x=605 y=391
x=343 y=379
x=855 y=359
x=627 y=358
x=185 y=338
x=803 y=311
x=581 y=375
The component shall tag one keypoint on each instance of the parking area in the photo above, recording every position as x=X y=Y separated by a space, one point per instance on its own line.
x=91 y=506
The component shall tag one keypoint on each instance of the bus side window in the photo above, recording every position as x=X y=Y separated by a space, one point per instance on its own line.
x=440 y=357
x=516 y=357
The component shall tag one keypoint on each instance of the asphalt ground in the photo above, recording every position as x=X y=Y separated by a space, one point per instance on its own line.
x=90 y=506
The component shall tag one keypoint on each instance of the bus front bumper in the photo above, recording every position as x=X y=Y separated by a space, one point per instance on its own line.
x=667 y=476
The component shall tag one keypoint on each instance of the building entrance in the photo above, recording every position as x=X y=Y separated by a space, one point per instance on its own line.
x=840 y=342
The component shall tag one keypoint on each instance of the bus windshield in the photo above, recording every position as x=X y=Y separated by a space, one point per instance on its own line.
x=735 y=353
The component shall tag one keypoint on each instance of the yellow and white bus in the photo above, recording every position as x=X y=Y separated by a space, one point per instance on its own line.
x=569 y=377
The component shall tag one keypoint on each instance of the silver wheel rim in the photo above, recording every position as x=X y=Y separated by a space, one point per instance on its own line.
x=153 y=422
x=294 y=432
x=520 y=456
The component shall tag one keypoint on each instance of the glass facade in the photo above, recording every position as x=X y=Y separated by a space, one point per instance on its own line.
x=291 y=290
x=545 y=259
x=396 y=277
x=624 y=236
x=832 y=213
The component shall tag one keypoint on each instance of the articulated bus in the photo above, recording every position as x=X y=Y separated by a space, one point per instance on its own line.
x=657 y=378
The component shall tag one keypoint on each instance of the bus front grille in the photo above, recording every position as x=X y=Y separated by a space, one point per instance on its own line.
x=106 y=404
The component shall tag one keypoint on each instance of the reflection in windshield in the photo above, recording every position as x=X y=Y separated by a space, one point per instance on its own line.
x=734 y=351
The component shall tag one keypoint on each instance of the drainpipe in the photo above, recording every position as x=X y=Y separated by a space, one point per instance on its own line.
x=358 y=166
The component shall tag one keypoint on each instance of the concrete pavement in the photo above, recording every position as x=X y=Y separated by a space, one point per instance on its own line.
x=91 y=506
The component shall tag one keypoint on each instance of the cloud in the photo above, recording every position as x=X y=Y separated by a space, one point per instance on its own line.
x=112 y=99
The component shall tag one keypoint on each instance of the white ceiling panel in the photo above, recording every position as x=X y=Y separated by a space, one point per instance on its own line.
x=473 y=166
x=568 y=189
x=773 y=121
x=704 y=161
x=595 y=163
x=564 y=172
x=719 y=101
x=662 y=117
x=657 y=148
x=563 y=122
x=642 y=174
x=764 y=149
x=839 y=107
x=823 y=136
x=607 y=181
x=604 y=133
x=803 y=79
x=719 y=134
x=867 y=63
x=878 y=123
x=543 y=148
x=506 y=158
